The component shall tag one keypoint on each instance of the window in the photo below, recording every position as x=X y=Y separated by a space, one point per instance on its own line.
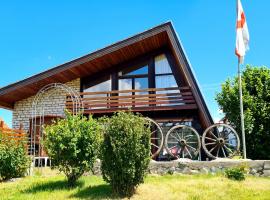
x=162 y=65
x=164 y=77
x=135 y=78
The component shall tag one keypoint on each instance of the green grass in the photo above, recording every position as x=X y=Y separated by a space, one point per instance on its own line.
x=53 y=186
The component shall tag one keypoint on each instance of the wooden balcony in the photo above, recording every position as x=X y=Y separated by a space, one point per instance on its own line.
x=151 y=99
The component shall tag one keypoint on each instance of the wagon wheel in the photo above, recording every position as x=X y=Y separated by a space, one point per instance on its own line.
x=220 y=140
x=156 y=138
x=182 y=142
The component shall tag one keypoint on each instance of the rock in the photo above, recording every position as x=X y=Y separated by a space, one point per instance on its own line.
x=253 y=171
x=267 y=165
x=194 y=172
x=266 y=172
x=184 y=160
x=186 y=170
x=204 y=170
x=213 y=169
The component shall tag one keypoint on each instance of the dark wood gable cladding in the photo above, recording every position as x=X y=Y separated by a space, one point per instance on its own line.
x=140 y=46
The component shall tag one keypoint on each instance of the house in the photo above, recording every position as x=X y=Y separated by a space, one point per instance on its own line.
x=147 y=73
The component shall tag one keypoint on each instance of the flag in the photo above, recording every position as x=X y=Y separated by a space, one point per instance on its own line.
x=242 y=35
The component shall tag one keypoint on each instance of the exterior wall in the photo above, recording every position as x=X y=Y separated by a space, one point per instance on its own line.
x=54 y=101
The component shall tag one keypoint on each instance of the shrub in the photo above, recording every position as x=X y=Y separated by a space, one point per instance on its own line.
x=235 y=173
x=14 y=161
x=72 y=144
x=125 y=152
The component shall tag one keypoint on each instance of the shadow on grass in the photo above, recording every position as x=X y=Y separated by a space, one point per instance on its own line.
x=94 y=192
x=52 y=186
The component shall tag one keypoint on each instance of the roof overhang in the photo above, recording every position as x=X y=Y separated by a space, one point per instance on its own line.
x=102 y=59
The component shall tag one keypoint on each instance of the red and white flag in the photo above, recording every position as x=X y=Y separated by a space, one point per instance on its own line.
x=242 y=35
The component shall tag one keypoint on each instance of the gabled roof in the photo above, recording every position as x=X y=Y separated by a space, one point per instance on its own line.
x=102 y=59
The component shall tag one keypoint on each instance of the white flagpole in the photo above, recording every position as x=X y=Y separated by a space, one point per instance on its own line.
x=241 y=111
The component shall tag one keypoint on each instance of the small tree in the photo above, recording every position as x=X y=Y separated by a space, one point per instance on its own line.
x=14 y=161
x=256 y=98
x=125 y=152
x=72 y=144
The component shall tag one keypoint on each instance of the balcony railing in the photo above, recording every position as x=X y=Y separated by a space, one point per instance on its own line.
x=151 y=99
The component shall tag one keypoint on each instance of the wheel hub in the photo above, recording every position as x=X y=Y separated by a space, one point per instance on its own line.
x=221 y=141
x=182 y=142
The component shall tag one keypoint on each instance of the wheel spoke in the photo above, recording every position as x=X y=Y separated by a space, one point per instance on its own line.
x=174 y=137
x=228 y=148
x=172 y=142
x=213 y=134
x=155 y=145
x=192 y=142
x=191 y=147
x=187 y=136
x=155 y=138
x=218 y=151
x=208 y=138
x=223 y=152
x=211 y=143
x=182 y=134
x=153 y=131
x=188 y=152
x=179 y=138
x=213 y=148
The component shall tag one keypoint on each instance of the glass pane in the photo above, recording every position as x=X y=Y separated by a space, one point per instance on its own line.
x=101 y=87
x=104 y=86
x=141 y=83
x=162 y=65
x=125 y=84
x=141 y=70
x=165 y=81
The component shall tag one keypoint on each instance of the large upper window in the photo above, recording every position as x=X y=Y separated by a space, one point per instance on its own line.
x=135 y=78
x=164 y=77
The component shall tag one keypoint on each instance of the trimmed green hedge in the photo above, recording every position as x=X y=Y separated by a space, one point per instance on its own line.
x=125 y=152
x=14 y=161
x=73 y=144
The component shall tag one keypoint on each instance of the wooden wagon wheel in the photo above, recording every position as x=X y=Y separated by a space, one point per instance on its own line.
x=220 y=140
x=183 y=142
x=156 y=138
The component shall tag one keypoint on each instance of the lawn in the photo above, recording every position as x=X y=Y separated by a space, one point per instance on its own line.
x=53 y=186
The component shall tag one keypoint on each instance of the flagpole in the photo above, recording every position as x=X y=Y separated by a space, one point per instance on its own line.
x=241 y=111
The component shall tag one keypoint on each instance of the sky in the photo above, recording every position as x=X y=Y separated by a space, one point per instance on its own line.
x=38 y=35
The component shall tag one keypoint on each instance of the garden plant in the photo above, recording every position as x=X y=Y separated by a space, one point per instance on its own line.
x=125 y=152
x=72 y=144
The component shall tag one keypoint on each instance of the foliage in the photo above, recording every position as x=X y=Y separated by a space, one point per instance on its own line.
x=72 y=144
x=14 y=161
x=125 y=152
x=235 y=173
x=256 y=98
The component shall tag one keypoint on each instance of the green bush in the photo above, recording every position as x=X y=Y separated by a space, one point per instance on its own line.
x=125 y=152
x=72 y=144
x=14 y=161
x=235 y=173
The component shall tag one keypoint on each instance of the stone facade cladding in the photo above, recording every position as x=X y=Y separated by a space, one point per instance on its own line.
x=253 y=167
x=54 y=101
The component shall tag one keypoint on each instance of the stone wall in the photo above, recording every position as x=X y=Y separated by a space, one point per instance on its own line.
x=54 y=101
x=255 y=167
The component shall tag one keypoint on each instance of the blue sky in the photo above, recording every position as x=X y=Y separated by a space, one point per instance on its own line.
x=38 y=35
